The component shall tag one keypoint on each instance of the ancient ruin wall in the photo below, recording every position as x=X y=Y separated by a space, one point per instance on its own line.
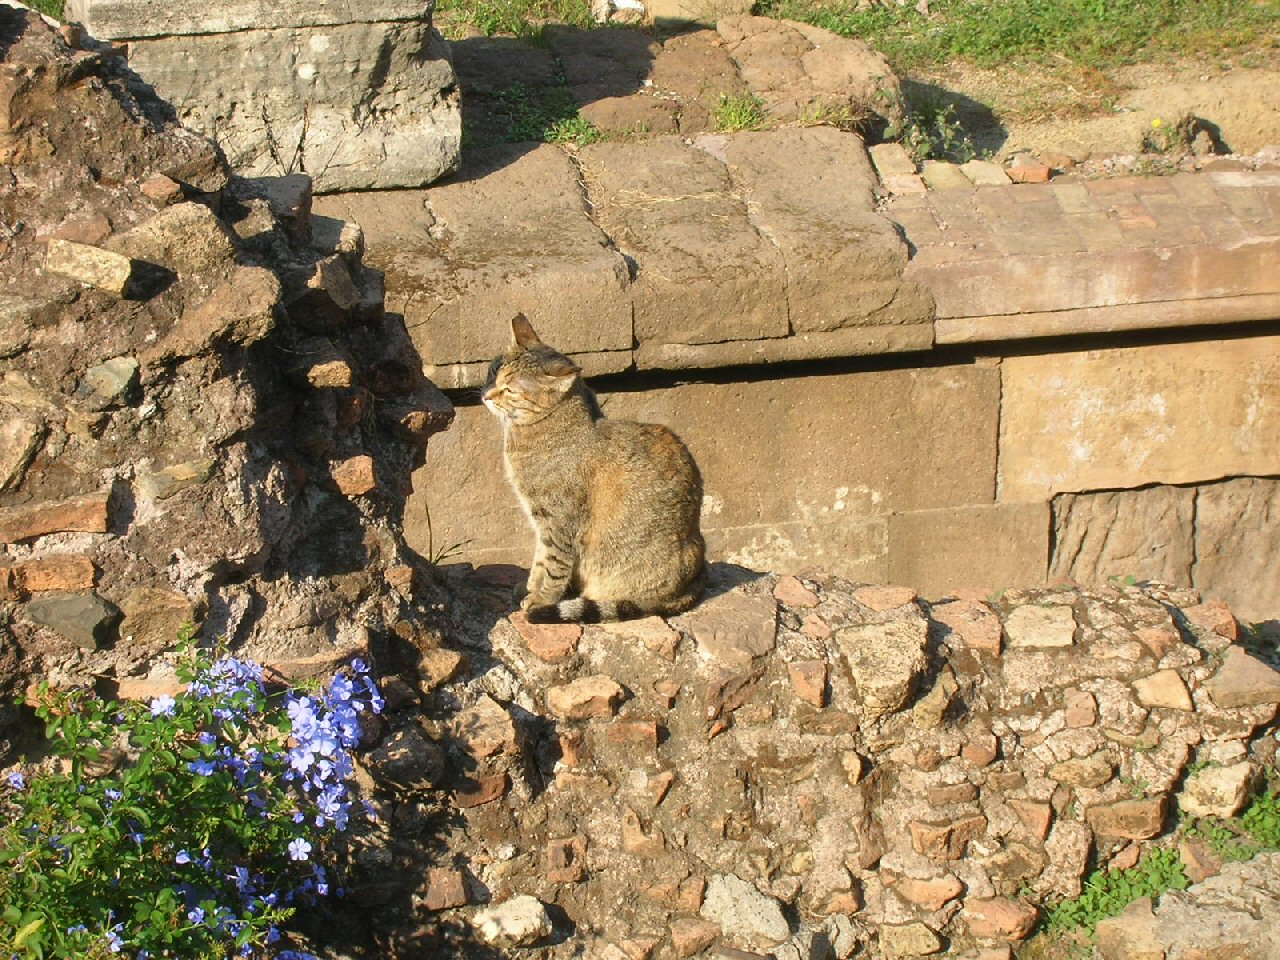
x=207 y=415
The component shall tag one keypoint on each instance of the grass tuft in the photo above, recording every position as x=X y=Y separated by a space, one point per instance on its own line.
x=744 y=112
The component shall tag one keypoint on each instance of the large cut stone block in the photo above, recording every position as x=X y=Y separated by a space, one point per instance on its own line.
x=811 y=192
x=125 y=19
x=989 y=546
x=1237 y=533
x=797 y=472
x=1007 y=285
x=1147 y=534
x=355 y=95
x=1115 y=419
x=462 y=258
x=703 y=272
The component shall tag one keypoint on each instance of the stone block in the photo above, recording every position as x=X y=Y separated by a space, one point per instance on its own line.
x=1134 y=416
x=802 y=71
x=81 y=617
x=1237 y=539
x=186 y=238
x=703 y=11
x=1012 y=285
x=1131 y=819
x=1243 y=681
x=703 y=272
x=86 y=514
x=127 y=19
x=1147 y=534
x=515 y=239
x=847 y=449
x=110 y=272
x=734 y=628
x=938 y=550
x=810 y=192
x=584 y=698
x=357 y=102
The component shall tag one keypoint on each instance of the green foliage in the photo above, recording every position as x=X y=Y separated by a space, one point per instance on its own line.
x=52 y=8
x=519 y=18
x=931 y=132
x=543 y=114
x=1261 y=819
x=1107 y=893
x=1086 y=32
x=198 y=846
x=576 y=130
x=745 y=112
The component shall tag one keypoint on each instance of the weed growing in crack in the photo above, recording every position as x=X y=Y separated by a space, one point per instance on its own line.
x=745 y=112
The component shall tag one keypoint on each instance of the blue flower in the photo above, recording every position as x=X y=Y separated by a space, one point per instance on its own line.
x=182 y=857
x=204 y=768
x=16 y=780
x=299 y=849
x=196 y=915
x=165 y=705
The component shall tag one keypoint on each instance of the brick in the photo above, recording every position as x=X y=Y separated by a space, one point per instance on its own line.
x=446 y=887
x=791 y=592
x=637 y=732
x=932 y=894
x=973 y=624
x=946 y=841
x=999 y=918
x=566 y=859
x=85 y=514
x=355 y=477
x=551 y=642
x=1131 y=819
x=809 y=681
x=56 y=573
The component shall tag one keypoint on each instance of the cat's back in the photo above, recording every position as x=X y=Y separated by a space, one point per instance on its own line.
x=648 y=450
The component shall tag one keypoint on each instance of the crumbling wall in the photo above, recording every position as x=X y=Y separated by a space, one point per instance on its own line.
x=807 y=768
x=207 y=415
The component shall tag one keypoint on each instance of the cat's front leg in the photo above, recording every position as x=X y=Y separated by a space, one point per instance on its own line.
x=553 y=562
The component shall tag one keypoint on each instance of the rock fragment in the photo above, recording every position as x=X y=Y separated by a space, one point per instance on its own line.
x=519 y=922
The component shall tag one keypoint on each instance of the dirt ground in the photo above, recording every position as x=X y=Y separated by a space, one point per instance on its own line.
x=1080 y=112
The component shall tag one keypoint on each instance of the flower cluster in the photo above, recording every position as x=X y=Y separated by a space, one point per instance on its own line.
x=205 y=843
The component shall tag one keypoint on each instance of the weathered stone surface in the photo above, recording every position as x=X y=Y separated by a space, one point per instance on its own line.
x=356 y=476
x=154 y=615
x=909 y=940
x=999 y=918
x=547 y=641
x=1067 y=848
x=1131 y=819
x=937 y=550
x=1155 y=430
x=517 y=238
x=973 y=624
x=486 y=728
x=734 y=628
x=744 y=913
x=804 y=71
x=58 y=572
x=1217 y=791
x=87 y=514
x=1243 y=681
x=1164 y=688
x=843 y=262
x=842 y=483
x=108 y=384
x=519 y=922
x=1131 y=935
x=690 y=935
x=446 y=887
x=1146 y=534
x=110 y=272
x=1038 y=627
x=408 y=759
x=885 y=660
x=932 y=894
x=173 y=479
x=809 y=680
x=83 y=618
x=185 y=238
x=241 y=309
x=984 y=173
x=704 y=274
x=584 y=698
x=1091 y=771
x=1236 y=537
x=791 y=592
x=359 y=104
x=947 y=841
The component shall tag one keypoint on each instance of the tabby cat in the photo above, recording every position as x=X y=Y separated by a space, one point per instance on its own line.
x=614 y=504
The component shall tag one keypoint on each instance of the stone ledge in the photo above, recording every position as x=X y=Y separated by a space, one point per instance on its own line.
x=135 y=19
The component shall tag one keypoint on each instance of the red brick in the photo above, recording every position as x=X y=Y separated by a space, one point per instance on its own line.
x=793 y=593
x=86 y=514
x=57 y=573
x=999 y=918
x=809 y=680
x=446 y=888
x=547 y=641
x=355 y=477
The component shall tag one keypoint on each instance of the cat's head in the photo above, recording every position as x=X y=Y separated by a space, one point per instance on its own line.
x=527 y=381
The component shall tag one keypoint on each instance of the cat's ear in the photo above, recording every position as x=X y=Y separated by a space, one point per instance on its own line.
x=562 y=373
x=522 y=331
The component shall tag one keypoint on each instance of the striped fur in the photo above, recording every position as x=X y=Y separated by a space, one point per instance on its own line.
x=614 y=505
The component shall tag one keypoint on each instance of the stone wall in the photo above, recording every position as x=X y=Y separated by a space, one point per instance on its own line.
x=805 y=768
x=208 y=417
x=356 y=95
